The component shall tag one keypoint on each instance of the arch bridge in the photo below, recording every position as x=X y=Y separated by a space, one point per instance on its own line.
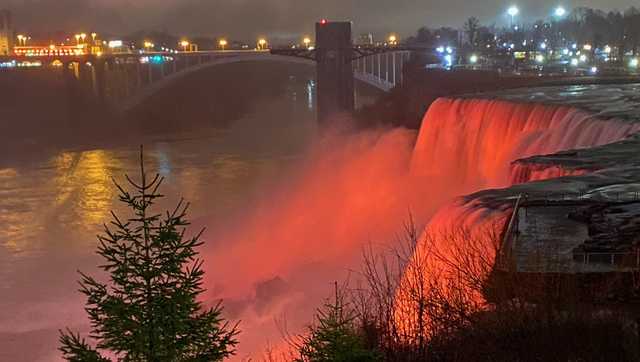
x=124 y=81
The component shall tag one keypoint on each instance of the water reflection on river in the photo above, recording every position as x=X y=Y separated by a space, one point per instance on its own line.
x=54 y=199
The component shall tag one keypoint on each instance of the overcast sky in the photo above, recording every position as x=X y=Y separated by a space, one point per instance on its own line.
x=246 y=19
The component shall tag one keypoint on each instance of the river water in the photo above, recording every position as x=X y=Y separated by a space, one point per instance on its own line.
x=54 y=196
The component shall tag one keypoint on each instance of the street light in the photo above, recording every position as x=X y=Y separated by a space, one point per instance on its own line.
x=473 y=59
x=22 y=39
x=393 y=40
x=184 y=44
x=223 y=43
x=149 y=45
x=83 y=36
x=77 y=36
x=560 y=12
x=306 y=41
x=93 y=37
x=262 y=43
x=634 y=62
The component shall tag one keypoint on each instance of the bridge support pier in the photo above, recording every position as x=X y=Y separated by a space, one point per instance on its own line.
x=334 y=70
x=99 y=79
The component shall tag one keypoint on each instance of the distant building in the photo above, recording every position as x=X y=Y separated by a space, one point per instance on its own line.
x=6 y=33
x=365 y=39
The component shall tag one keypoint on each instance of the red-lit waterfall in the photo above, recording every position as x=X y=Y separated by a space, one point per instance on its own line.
x=278 y=260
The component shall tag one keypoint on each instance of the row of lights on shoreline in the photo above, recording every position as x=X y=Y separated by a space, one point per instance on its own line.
x=262 y=44
x=80 y=38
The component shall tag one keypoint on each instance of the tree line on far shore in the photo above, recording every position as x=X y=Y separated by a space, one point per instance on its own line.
x=618 y=29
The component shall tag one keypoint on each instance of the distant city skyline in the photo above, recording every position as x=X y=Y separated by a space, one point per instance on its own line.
x=277 y=19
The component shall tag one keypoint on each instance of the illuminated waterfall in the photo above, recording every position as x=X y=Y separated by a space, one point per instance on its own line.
x=356 y=188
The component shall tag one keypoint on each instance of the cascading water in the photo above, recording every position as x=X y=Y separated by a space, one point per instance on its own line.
x=473 y=142
x=278 y=259
x=486 y=137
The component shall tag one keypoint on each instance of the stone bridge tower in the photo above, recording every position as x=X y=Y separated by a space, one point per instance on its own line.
x=334 y=53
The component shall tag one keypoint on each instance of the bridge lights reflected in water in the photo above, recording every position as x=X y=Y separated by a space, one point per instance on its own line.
x=311 y=87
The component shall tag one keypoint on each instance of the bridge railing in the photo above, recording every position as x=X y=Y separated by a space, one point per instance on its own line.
x=384 y=70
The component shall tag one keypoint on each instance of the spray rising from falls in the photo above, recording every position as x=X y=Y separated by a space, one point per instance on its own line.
x=278 y=259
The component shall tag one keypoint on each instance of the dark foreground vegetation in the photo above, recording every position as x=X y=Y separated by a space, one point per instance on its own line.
x=443 y=303
x=148 y=310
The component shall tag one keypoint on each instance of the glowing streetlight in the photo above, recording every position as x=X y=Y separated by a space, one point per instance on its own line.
x=83 y=36
x=473 y=59
x=393 y=39
x=262 y=44
x=306 y=41
x=22 y=40
x=149 y=45
x=184 y=44
x=223 y=43
x=634 y=63
x=77 y=36
x=540 y=58
x=560 y=12
x=513 y=11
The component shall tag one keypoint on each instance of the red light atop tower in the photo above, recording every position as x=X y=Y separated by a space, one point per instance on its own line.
x=323 y=22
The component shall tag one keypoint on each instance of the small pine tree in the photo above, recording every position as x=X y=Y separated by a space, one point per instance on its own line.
x=335 y=336
x=149 y=309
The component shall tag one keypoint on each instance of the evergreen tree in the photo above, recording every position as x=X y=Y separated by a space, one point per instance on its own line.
x=335 y=336
x=149 y=311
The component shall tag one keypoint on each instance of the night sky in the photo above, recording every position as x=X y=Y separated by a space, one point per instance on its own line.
x=246 y=19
